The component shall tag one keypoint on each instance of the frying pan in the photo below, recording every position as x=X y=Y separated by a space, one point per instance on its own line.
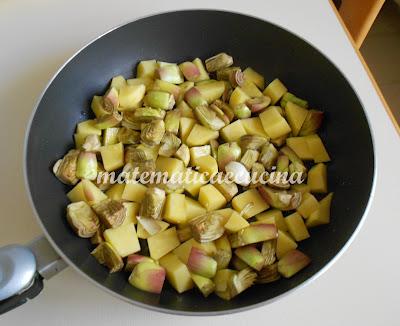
x=177 y=37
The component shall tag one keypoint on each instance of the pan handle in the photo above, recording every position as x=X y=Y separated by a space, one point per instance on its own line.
x=22 y=270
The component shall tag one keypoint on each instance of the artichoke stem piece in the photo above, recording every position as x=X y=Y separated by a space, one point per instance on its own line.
x=107 y=255
x=201 y=264
x=86 y=167
x=292 y=262
x=190 y=71
x=110 y=212
x=251 y=256
x=134 y=259
x=194 y=98
x=65 y=169
x=148 y=276
x=159 y=100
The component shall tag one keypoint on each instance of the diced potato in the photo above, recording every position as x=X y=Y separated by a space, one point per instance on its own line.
x=253 y=76
x=134 y=192
x=233 y=131
x=118 y=82
x=273 y=123
x=317 y=149
x=87 y=128
x=273 y=216
x=183 y=251
x=131 y=96
x=146 y=81
x=185 y=127
x=250 y=89
x=123 y=239
x=211 y=198
x=79 y=140
x=251 y=196
x=112 y=156
x=200 y=135
x=295 y=115
x=238 y=96
x=178 y=274
x=275 y=90
x=308 y=205
x=302 y=187
x=175 y=208
x=162 y=243
x=193 y=182
x=86 y=191
x=170 y=165
x=116 y=191
x=236 y=223
x=146 y=68
x=143 y=234
x=322 y=214
x=193 y=208
x=132 y=210
x=317 y=178
x=211 y=90
x=207 y=165
x=300 y=146
x=253 y=126
x=296 y=227
x=284 y=243
x=110 y=136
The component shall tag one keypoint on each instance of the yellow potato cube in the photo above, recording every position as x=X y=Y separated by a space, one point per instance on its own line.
x=86 y=191
x=308 y=205
x=250 y=89
x=253 y=76
x=146 y=68
x=323 y=214
x=200 y=135
x=253 y=126
x=134 y=192
x=207 y=165
x=296 y=227
x=302 y=187
x=146 y=81
x=273 y=123
x=162 y=243
x=238 y=96
x=178 y=274
x=273 y=216
x=193 y=182
x=185 y=127
x=317 y=178
x=275 y=90
x=112 y=156
x=143 y=234
x=123 y=239
x=251 y=196
x=87 y=128
x=131 y=96
x=170 y=165
x=299 y=145
x=183 y=251
x=193 y=208
x=284 y=243
x=317 y=149
x=233 y=131
x=132 y=210
x=226 y=213
x=175 y=208
x=295 y=115
x=79 y=140
x=116 y=191
x=211 y=198
x=236 y=223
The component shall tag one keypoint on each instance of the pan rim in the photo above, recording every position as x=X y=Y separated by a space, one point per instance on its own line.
x=187 y=312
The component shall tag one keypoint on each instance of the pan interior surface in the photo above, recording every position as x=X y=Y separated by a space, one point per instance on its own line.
x=177 y=37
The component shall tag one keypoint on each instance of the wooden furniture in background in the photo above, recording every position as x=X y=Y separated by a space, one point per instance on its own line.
x=359 y=15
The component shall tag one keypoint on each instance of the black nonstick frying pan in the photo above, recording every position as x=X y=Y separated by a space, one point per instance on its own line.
x=177 y=37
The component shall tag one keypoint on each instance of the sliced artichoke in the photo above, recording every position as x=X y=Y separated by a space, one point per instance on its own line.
x=208 y=118
x=169 y=144
x=152 y=203
x=172 y=121
x=268 y=156
x=219 y=61
x=108 y=256
x=82 y=219
x=268 y=250
x=128 y=136
x=65 y=168
x=183 y=154
x=207 y=227
x=110 y=212
x=268 y=274
x=252 y=142
x=92 y=143
x=153 y=132
x=249 y=158
x=280 y=199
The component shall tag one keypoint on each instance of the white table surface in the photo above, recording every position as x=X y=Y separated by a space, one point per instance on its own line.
x=38 y=36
